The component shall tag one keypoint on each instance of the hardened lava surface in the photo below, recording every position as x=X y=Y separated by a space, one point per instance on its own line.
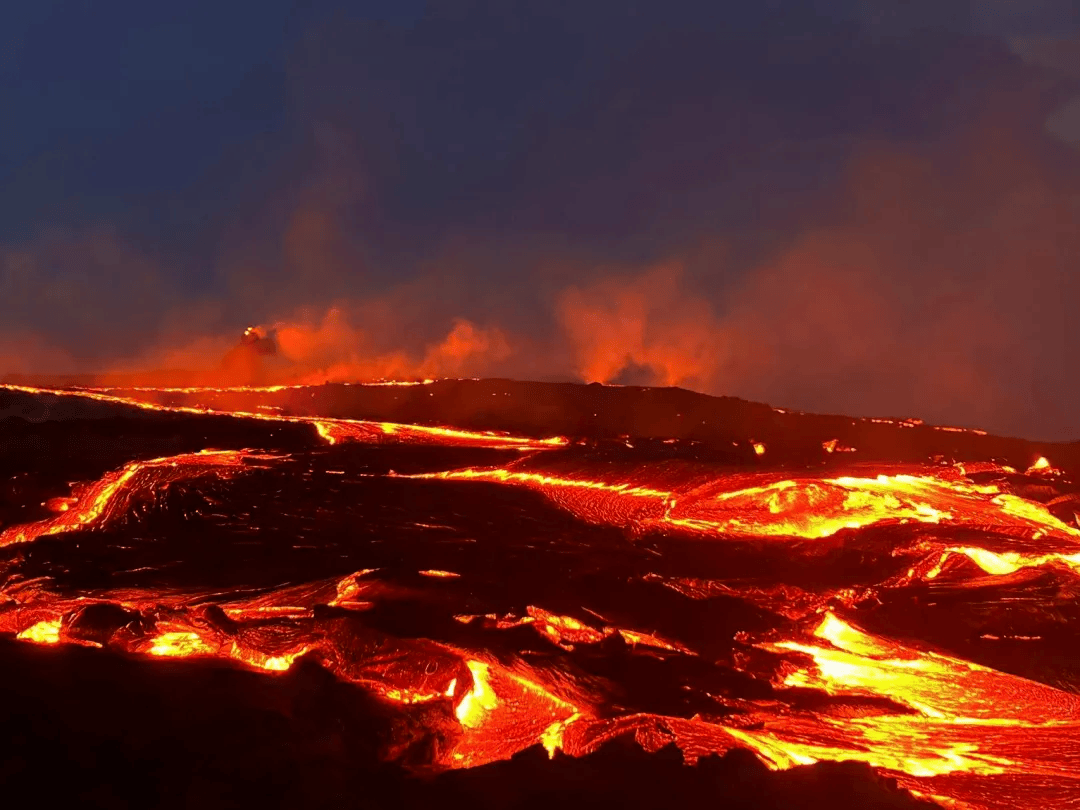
x=279 y=597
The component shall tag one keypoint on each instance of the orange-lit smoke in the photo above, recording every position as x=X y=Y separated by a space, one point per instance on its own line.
x=311 y=349
x=333 y=350
x=938 y=289
x=932 y=296
x=648 y=322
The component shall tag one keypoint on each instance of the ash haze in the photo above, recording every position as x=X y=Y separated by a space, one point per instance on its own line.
x=850 y=206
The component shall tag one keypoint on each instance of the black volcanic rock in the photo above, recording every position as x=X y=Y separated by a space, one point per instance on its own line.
x=705 y=426
x=712 y=425
x=83 y=728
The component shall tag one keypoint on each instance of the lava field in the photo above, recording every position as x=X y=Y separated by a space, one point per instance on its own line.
x=506 y=594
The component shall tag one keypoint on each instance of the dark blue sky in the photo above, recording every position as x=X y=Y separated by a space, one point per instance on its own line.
x=839 y=205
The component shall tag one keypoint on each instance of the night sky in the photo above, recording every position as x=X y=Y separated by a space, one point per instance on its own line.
x=850 y=206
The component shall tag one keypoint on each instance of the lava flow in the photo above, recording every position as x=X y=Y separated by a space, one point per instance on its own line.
x=110 y=497
x=332 y=431
x=490 y=592
x=807 y=507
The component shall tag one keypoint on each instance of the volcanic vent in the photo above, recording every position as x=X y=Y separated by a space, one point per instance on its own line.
x=507 y=593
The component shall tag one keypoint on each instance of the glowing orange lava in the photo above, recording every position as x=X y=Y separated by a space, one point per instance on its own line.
x=961 y=733
x=805 y=507
x=566 y=631
x=834 y=446
x=104 y=496
x=180 y=643
x=44 y=632
x=334 y=431
x=963 y=717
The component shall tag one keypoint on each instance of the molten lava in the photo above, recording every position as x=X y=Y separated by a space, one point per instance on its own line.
x=108 y=497
x=804 y=507
x=866 y=613
x=332 y=431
